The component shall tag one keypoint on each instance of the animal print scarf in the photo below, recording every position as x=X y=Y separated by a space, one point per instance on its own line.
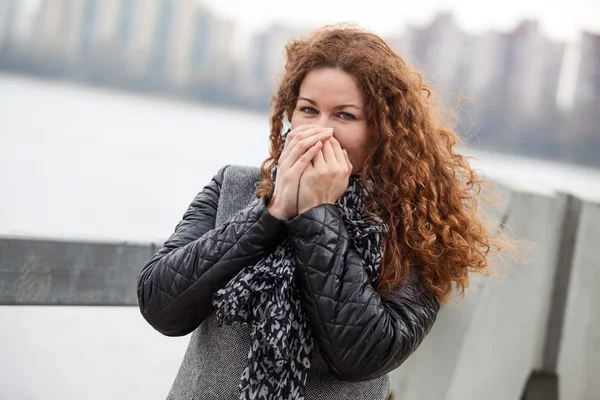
x=266 y=297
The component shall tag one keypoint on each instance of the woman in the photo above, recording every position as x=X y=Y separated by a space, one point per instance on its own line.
x=316 y=275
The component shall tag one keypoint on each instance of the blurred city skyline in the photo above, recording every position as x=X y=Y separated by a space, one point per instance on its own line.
x=532 y=94
x=390 y=18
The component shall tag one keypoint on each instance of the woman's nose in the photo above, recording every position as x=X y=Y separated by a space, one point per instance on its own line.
x=324 y=122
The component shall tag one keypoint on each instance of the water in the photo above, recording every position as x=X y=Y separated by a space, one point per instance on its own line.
x=90 y=164
x=84 y=163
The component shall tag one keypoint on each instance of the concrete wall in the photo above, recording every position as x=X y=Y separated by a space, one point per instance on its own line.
x=486 y=345
x=579 y=358
x=47 y=272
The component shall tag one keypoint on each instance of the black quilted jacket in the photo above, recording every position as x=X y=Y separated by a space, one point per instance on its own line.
x=361 y=335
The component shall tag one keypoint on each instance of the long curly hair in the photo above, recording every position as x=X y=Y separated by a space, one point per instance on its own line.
x=424 y=191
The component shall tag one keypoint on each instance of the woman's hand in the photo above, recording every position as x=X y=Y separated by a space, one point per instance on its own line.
x=326 y=178
x=301 y=145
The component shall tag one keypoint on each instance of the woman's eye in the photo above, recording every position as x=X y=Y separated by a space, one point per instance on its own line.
x=346 y=115
x=308 y=110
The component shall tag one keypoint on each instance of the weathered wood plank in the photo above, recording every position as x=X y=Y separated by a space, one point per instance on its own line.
x=47 y=272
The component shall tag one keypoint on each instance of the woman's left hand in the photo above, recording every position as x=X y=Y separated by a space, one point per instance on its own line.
x=326 y=177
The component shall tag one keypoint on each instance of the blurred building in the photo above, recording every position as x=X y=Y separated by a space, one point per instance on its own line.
x=439 y=50
x=96 y=33
x=210 y=60
x=142 y=42
x=17 y=30
x=108 y=33
x=487 y=66
x=554 y=53
x=113 y=26
x=524 y=66
x=59 y=29
x=186 y=13
x=7 y=12
x=587 y=86
x=266 y=61
x=443 y=53
x=222 y=63
x=401 y=43
x=517 y=80
x=162 y=35
x=201 y=45
x=179 y=43
x=580 y=95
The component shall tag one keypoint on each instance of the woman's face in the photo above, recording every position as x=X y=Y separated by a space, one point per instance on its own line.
x=331 y=98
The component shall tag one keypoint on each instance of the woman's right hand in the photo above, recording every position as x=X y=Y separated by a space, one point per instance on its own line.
x=301 y=146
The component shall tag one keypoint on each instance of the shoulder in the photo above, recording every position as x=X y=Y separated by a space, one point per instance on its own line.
x=240 y=172
x=238 y=180
x=237 y=173
x=236 y=176
x=236 y=190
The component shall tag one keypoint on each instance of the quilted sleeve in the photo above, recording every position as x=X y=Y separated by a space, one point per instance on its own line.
x=175 y=288
x=361 y=335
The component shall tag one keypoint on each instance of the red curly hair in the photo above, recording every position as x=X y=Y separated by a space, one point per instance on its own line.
x=422 y=189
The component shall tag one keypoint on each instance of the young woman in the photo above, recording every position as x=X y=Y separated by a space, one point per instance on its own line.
x=317 y=274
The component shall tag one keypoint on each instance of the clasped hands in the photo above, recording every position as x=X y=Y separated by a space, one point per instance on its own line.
x=313 y=169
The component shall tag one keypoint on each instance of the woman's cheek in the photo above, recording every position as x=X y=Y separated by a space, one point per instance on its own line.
x=298 y=120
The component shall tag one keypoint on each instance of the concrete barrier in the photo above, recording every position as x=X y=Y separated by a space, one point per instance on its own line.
x=486 y=346
x=579 y=356
x=50 y=272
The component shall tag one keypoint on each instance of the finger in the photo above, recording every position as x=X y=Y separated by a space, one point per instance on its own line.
x=337 y=151
x=294 y=132
x=303 y=134
x=290 y=136
x=328 y=153
x=310 y=132
x=350 y=166
x=319 y=161
x=298 y=168
x=302 y=146
x=300 y=139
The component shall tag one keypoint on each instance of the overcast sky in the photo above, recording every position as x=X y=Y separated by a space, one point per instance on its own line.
x=559 y=19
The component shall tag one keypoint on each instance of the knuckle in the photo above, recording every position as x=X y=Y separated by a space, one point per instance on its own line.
x=290 y=147
x=300 y=129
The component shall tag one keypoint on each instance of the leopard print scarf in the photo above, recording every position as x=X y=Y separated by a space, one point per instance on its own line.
x=265 y=296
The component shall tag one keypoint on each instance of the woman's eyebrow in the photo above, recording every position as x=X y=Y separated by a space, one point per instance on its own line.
x=341 y=106
x=314 y=103
x=338 y=107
